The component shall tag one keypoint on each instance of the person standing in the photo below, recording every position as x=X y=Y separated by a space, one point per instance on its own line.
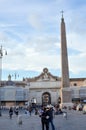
x=10 y=112
x=50 y=113
x=30 y=110
x=16 y=111
x=45 y=119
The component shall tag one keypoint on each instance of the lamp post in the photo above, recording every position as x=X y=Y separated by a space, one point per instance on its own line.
x=2 y=52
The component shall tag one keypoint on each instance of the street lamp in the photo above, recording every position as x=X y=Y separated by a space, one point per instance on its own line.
x=2 y=53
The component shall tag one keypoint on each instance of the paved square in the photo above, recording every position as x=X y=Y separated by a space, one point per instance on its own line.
x=75 y=121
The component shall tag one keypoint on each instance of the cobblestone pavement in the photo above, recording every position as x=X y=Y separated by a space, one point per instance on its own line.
x=75 y=121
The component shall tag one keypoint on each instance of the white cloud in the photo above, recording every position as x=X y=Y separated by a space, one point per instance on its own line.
x=31 y=34
x=3 y=37
x=77 y=63
x=35 y=21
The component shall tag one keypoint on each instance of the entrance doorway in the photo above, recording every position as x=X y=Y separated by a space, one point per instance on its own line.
x=46 y=98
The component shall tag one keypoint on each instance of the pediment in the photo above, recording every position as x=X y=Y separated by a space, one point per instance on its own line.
x=44 y=76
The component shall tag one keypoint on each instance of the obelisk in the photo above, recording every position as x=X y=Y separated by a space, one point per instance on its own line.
x=65 y=83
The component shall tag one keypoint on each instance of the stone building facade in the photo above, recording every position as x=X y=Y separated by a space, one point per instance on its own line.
x=46 y=88
x=40 y=90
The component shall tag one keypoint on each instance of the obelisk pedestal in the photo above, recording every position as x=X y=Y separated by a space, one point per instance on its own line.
x=66 y=98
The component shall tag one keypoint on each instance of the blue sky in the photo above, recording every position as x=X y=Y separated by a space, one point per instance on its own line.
x=30 y=32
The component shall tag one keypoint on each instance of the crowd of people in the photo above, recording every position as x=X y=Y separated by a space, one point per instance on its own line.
x=45 y=113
